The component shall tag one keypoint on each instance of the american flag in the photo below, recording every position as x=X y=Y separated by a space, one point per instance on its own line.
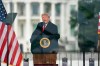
x=99 y=24
x=9 y=47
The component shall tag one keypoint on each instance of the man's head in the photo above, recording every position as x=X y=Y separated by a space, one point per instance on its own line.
x=45 y=17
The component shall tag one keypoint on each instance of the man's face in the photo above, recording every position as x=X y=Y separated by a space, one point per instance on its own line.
x=45 y=18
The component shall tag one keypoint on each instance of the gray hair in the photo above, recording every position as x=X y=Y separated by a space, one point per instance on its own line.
x=46 y=14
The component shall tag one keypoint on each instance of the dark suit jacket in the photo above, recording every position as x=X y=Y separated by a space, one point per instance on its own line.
x=50 y=32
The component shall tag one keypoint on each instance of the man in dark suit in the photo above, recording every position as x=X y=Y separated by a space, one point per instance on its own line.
x=44 y=29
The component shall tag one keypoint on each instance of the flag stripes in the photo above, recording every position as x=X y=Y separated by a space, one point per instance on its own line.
x=9 y=41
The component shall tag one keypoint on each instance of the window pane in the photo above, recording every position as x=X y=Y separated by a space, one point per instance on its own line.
x=11 y=7
x=58 y=25
x=47 y=8
x=34 y=23
x=21 y=28
x=21 y=9
x=35 y=8
x=58 y=8
x=72 y=7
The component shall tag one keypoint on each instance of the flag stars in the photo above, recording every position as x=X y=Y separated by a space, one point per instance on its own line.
x=3 y=13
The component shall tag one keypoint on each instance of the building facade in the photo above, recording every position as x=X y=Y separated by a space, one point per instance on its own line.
x=29 y=14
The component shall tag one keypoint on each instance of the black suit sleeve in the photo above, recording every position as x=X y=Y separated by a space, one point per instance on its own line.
x=35 y=34
x=54 y=34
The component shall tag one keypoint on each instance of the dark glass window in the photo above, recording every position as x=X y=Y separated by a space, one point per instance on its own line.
x=58 y=9
x=21 y=9
x=35 y=8
x=47 y=8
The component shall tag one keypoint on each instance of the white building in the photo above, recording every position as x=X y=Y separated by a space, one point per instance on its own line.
x=29 y=14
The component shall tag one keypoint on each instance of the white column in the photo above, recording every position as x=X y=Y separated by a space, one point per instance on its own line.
x=62 y=20
x=67 y=21
x=8 y=7
x=27 y=32
x=41 y=9
x=16 y=19
x=53 y=12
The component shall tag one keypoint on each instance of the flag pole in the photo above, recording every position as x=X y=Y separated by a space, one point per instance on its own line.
x=83 y=58
x=98 y=50
x=7 y=46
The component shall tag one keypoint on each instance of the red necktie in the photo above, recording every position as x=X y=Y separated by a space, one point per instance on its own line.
x=43 y=27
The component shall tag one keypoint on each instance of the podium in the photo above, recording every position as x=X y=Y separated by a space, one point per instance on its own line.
x=44 y=59
x=44 y=51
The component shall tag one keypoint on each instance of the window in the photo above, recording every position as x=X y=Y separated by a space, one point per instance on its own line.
x=72 y=7
x=57 y=9
x=11 y=7
x=21 y=9
x=34 y=23
x=58 y=25
x=21 y=28
x=35 y=8
x=47 y=8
